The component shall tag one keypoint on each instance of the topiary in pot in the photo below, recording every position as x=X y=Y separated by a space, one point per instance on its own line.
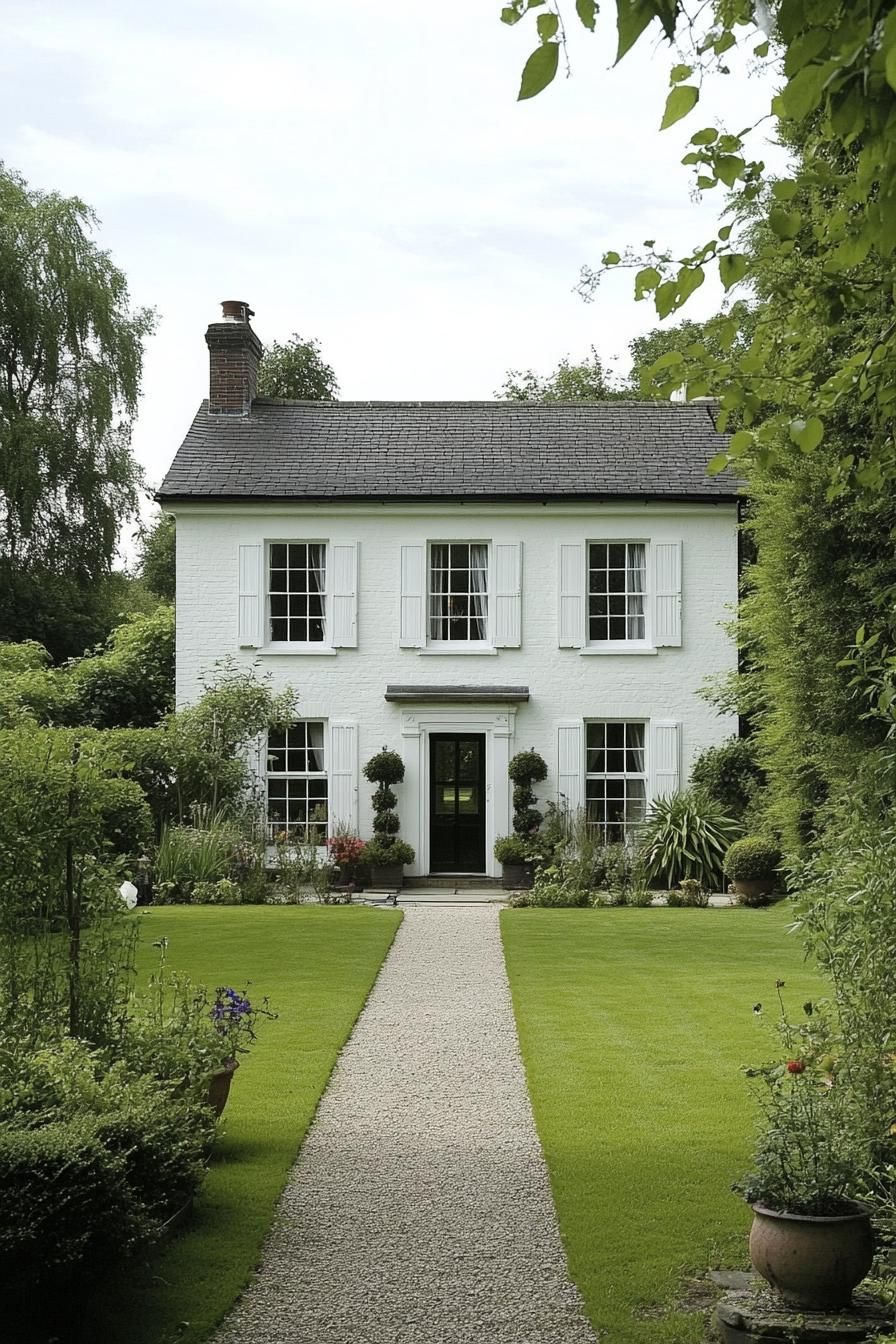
x=525 y=769
x=751 y=864
x=386 y=853
x=515 y=857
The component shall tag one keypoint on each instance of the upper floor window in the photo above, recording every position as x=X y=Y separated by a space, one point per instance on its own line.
x=297 y=783
x=297 y=586
x=615 y=778
x=458 y=592
x=617 y=582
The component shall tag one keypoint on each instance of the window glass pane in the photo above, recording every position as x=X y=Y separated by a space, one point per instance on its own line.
x=617 y=581
x=458 y=591
x=297 y=591
x=615 y=784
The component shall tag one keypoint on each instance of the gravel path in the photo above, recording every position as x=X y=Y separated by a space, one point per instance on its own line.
x=419 y=1211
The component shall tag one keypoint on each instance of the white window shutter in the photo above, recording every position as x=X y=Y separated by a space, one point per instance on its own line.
x=667 y=593
x=665 y=753
x=571 y=605
x=343 y=615
x=342 y=775
x=571 y=764
x=413 y=597
x=507 y=594
x=251 y=597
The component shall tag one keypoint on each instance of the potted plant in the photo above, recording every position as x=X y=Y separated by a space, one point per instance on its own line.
x=234 y=1019
x=810 y=1239
x=751 y=864
x=515 y=852
x=347 y=853
x=517 y=864
x=385 y=853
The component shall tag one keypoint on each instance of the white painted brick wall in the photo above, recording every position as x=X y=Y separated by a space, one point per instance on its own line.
x=563 y=683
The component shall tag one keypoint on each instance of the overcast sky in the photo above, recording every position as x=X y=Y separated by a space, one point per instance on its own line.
x=357 y=172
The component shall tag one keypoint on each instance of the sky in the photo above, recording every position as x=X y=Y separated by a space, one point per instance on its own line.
x=358 y=173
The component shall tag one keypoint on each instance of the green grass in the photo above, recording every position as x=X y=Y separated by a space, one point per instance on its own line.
x=317 y=966
x=634 y=1025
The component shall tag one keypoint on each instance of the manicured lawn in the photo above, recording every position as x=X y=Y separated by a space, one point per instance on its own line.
x=317 y=966
x=634 y=1025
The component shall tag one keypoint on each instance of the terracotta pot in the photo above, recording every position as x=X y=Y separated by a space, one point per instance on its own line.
x=813 y=1262
x=387 y=875
x=219 y=1085
x=754 y=887
x=517 y=876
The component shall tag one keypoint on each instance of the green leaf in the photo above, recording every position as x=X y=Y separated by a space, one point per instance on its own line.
x=646 y=279
x=725 y=233
x=510 y=15
x=680 y=72
x=761 y=50
x=667 y=360
x=732 y=268
x=785 y=189
x=784 y=223
x=632 y=17
x=729 y=168
x=586 y=10
x=611 y=259
x=717 y=464
x=802 y=93
x=740 y=443
x=804 y=48
x=682 y=99
x=707 y=136
x=807 y=435
x=689 y=279
x=547 y=25
x=539 y=70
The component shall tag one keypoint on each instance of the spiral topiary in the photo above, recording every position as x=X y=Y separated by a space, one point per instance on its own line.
x=384 y=769
x=525 y=769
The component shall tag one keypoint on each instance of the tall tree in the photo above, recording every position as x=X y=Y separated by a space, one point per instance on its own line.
x=71 y=352
x=156 y=560
x=296 y=371
x=586 y=381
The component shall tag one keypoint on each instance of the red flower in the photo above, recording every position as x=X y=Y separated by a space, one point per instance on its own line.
x=796 y=1066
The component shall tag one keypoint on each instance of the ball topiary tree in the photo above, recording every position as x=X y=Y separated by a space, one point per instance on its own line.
x=385 y=849
x=525 y=769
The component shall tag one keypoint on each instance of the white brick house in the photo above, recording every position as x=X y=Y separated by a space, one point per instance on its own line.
x=458 y=581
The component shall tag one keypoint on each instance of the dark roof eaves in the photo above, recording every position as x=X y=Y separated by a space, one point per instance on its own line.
x=504 y=497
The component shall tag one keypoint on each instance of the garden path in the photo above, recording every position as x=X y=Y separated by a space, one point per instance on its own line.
x=419 y=1210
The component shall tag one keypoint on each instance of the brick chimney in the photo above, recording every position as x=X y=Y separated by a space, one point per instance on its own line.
x=233 y=354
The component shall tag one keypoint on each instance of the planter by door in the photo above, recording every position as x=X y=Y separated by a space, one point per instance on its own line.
x=813 y=1262
x=388 y=875
x=219 y=1085
x=754 y=887
x=517 y=876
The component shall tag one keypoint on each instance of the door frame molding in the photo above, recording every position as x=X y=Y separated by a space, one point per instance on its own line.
x=497 y=726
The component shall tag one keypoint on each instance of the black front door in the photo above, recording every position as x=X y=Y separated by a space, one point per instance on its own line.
x=457 y=803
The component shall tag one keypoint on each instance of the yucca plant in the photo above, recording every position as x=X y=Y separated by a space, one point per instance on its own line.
x=686 y=835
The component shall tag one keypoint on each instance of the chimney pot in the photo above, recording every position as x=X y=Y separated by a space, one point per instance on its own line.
x=233 y=353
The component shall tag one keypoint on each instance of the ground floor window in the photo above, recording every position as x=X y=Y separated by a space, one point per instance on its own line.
x=615 y=778
x=297 y=783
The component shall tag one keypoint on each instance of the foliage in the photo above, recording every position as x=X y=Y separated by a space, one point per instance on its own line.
x=525 y=769
x=296 y=371
x=71 y=350
x=385 y=849
x=619 y=870
x=301 y=868
x=30 y=688
x=512 y=849
x=729 y=774
x=752 y=858
x=194 y=856
x=383 y=853
x=156 y=563
x=809 y=1158
x=690 y=893
x=222 y=892
x=235 y=1019
x=63 y=611
x=130 y=682
x=346 y=850
x=686 y=835
x=587 y=381
x=559 y=884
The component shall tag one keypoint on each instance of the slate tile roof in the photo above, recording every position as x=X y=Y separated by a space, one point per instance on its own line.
x=353 y=450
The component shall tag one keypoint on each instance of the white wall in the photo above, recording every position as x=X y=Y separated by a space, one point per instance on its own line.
x=564 y=683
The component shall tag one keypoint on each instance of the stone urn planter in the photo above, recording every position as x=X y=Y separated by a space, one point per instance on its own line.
x=753 y=889
x=813 y=1262
x=219 y=1086
x=517 y=876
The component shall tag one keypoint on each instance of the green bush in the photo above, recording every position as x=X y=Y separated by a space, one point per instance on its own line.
x=511 y=849
x=730 y=775
x=127 y=819
x=527 y=767
x=686 y=835
x=752 y=859
x=380 y=853
x=189 y=856
x=385 y=768
x=129 y=682
x=222 y=892
x=559 y=885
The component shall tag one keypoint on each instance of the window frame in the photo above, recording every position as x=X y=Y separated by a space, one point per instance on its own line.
x=287 y=775
x=600 y=828
x=646 y=642
x=309 y=645
x=452 y=645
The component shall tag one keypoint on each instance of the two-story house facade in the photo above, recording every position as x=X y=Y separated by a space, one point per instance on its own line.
x=457 y=581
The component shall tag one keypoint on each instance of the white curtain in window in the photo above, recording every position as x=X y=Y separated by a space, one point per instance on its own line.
x=315 y=746
x=637 y=566
x=438 y=590
x=634 y=755
x=478 y=591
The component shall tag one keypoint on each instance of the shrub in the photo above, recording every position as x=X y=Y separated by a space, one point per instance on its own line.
x=383 y=769
x=752 y=859
x=512 y=849
x=730 y=775
x=128 y=682
x=222 y=892
x=188 y=855
x=525 y=769
x=686 y=835
x=693 y=894
x=559 y=885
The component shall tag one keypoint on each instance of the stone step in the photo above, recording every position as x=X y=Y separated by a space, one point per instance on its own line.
x=451 y=882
